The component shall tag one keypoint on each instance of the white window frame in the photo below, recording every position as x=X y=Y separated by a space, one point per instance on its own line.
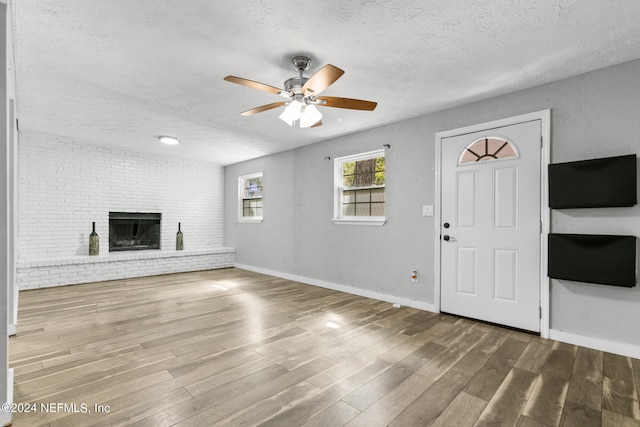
x=241 y=217
x=338 y=185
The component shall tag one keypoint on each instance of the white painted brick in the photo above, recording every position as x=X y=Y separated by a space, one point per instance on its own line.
x=58 y=273
x=64 y=185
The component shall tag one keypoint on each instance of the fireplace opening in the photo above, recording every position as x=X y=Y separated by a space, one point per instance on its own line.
x=134 y=231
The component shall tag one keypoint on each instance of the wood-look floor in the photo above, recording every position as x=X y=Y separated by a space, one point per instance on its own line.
x=230 y=347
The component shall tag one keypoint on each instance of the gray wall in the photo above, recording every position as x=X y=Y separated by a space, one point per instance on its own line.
x=268 y=244
x=593 y=115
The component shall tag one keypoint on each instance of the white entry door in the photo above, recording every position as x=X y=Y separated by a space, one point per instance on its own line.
x=490 y=225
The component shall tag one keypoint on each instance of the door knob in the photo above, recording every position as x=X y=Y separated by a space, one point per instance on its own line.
x=446 y=237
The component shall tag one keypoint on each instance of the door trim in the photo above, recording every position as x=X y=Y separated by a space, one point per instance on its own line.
x=545 y=157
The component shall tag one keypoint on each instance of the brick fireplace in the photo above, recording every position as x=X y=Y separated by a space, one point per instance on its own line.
x=66 y=185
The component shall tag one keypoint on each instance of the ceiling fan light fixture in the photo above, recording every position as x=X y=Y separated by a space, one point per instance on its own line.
x=169 y=140
x=302 y=94
x=291 y=113
x=310 y=116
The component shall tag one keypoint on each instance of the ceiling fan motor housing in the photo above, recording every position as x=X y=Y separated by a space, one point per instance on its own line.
x=294 y=84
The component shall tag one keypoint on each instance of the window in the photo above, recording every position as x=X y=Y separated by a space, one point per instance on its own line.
x=360 y=188
x=490 y=148
x=250 y=198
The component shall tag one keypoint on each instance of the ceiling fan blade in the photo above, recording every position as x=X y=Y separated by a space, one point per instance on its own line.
x=263 y=108
x=350 y=103
x=254 y=85
x=321 y=80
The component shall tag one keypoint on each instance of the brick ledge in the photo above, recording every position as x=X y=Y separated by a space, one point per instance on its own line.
x=119 y=257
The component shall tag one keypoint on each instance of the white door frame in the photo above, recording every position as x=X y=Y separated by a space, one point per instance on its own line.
x=545 y=118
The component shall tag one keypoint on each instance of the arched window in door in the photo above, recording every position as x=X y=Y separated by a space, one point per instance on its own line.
x=488 y=148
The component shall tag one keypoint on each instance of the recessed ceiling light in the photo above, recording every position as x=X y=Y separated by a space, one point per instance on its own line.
x=169 y=140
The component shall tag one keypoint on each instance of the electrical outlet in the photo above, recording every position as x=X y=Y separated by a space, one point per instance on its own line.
x=414 y=276
x=427 y=210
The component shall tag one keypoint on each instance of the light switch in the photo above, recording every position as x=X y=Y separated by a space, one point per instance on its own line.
x=427 y=210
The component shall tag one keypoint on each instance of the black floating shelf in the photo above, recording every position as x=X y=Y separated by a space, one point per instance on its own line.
x=602 y=259
x=595 y=183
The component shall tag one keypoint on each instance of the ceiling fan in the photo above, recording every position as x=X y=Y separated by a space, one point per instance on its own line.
x=302 y=95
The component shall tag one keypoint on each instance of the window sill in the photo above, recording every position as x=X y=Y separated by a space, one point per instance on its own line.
x=360 y=221
x=250 y=220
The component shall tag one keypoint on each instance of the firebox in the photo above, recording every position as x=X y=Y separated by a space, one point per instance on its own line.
x=133 y=231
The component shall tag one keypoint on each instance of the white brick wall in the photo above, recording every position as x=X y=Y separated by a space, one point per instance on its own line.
x=64 y=185
x=33 y=274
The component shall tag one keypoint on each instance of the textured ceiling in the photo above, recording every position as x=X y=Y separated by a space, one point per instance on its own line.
x=122 y=72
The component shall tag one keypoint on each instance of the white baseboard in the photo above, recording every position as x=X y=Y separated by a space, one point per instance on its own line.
x=623 y=349
x=5 y=417
x=407 y=302
x=10 y=385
